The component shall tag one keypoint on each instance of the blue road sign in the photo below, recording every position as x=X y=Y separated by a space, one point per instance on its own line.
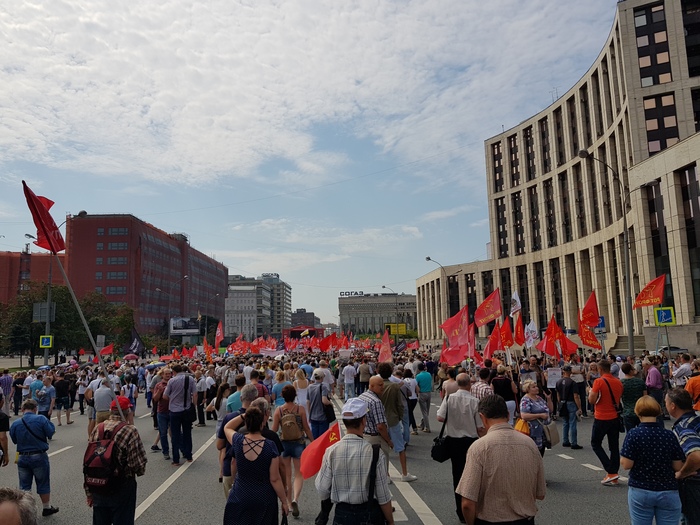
x=46 y=341
x=601 y=322
x=665 y=316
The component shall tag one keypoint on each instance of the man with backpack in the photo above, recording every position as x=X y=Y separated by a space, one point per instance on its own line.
x=114 y=457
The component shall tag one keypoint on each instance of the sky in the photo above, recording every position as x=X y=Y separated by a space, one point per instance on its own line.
x=336 y=143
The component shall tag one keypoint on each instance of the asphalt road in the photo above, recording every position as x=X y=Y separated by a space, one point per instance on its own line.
x=191 y=493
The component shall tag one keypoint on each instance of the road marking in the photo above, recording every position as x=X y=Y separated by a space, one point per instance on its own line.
x=592 y=467
x=623 y=478
x=168 y=482
x=145 y=415
x=564 y=456
x=60 y=450
x=416 y=503
x=399 y=514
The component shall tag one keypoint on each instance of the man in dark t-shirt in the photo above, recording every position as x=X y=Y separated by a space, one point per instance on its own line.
x=4 y=429
x=17 y=386
x=62 y=398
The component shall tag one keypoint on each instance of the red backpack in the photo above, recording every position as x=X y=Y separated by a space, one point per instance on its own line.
x=100 y=466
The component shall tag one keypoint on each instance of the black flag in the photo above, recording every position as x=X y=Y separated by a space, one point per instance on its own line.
x=400 y=347
x=136 y=347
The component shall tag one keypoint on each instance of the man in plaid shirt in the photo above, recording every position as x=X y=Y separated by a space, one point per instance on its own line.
x=120 y=505
x=482 y=388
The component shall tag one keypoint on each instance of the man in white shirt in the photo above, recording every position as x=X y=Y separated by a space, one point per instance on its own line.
x=683 y=372
x=349 y=374
x=247 y=370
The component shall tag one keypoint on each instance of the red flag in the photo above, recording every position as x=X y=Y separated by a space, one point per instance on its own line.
x=471 y=341
x=554 y=332
x=506 y=334
x=589 y=315
x=519 y=331
x=155 y=350
x=547 y=346
x=568 y=347
x=328 y=341
x=47 y=234
x=219 y=336
x=95 y=359
x=312 y=457
x=385 y=349
x=456 y=327
x=652 y=293
x=176 y=354
x=494 y=343
x=489 y=310
x=454 y=355
x=107 y=350
x=81 y=352
x=587 y=336
x=117 y=363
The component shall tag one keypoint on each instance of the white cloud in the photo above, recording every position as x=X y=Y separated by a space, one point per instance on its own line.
x=480 y=223
x=444 y=214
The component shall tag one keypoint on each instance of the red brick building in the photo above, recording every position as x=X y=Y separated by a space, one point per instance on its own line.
x=16 y=268
x=133 y=262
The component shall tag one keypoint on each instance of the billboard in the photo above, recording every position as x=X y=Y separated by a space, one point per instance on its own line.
x=184 y=326
x=395 y=328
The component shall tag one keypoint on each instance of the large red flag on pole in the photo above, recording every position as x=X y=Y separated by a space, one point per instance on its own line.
x=652 y=293
x=587 y=336
x=107 y=350
x=589 y=314
x=456 y=327
x=47 y=234
x=519 y=337
x=312 y=457
x=506 y=334
x=489 y=310
x=385 y=349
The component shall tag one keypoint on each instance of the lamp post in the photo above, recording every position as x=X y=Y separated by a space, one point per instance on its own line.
x=626 y=241
x=444 y=306
x=397 y=313
x=206 y=317
x=170 y=295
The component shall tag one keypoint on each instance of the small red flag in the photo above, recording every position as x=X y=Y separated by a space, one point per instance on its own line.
x=95 y=359
x=519 y=330
x=385 y=349
x=155 y=350
x=494 y=343
x=506 y=334
x=652 y=293
x=81 y=352
x=589 y=314
x=47 y=234
x=312 y=457
x=489 y=310
x=218 y=337
x=586 y=335
x=107 y=350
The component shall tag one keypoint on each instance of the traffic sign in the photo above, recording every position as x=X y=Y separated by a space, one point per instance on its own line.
x=601 y=323
x=46 y=341
x=665 y=316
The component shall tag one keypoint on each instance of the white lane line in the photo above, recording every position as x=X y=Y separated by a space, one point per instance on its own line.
x=168 y=482
x=564 y=456
x=623 y=478
x=592 y=467
x=413 y=499
x=60 y=450
x=399 y=514
x=145 y=415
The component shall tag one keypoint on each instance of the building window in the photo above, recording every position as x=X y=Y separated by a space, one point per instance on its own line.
x=98 y=260
x=98 y=289
x=652 y=45
x=661 y=122
x=116 y=275
x=100 y=246
x=118 y=246
x=118 y=231
x=100 y=231
x=690 y=192
x=98 y=276
x=497 y=157
x=116 y=290
x=116 y=260
x=643 y=41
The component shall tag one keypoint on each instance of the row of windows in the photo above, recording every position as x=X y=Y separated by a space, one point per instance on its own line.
x=113 y=231
x=111 y=275
x=112 y=290
x=113 y=246
x=111 y=260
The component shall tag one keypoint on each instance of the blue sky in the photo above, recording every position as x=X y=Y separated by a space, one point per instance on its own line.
x=335 y=143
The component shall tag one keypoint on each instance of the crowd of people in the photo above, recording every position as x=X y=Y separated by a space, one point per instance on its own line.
x=266 y=411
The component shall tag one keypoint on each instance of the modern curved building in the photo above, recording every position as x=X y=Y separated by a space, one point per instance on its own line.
x=557 y=219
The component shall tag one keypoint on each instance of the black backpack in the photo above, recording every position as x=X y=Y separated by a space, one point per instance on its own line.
x=100 y=466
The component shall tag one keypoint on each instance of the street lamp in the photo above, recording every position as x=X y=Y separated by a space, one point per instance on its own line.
x=170 y=295
x=444 y=306
x=628 y=270
x=397 y=313
x=206 y=317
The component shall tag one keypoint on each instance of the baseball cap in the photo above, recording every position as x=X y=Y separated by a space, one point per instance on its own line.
x=123 y=403
x=354 y=408
x=318 y=374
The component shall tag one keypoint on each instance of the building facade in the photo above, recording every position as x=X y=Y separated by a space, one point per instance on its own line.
x=255 y=322
x=557 y=219
x=17 y=268
x=281 y=303
x=370 y=313
x=133 y=262
x=302 y=317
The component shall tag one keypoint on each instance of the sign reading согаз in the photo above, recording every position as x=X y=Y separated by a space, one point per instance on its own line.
x=351 y=294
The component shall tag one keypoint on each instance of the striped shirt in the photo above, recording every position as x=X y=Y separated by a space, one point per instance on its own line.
x=500 y=493
x=344 y=474
x=481 y=389
x=376 y=414
x=687 y=430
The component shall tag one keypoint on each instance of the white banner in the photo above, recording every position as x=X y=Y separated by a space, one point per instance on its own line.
x=271 y=352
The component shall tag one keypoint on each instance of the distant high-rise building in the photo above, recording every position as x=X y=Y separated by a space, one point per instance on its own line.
x=248 y=307
x=281 y=305
x=302 y=317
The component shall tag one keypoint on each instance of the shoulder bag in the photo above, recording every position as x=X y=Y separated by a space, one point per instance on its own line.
x=522 y=426
x=376 y=514
x=440 y=451
x=327 y=409
x=618 y=408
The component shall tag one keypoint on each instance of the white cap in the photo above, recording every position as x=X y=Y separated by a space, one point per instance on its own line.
x=354 y=408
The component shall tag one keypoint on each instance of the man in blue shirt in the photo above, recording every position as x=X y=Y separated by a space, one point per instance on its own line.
x=36 y=385
x=425 y=385
x=46 y=398
x=687 y=429
x=31 y=434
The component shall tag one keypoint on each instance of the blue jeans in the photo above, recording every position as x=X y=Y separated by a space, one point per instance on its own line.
x=35 y=467
x=607 y=428
x=163 y=424
x=645 y=505
x=318 y=427
x=570 y=429
x=406 y=425
x=349 y=390
x=116 y=508
x=182 y=436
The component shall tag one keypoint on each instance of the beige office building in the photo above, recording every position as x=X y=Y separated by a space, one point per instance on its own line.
x=557 y=219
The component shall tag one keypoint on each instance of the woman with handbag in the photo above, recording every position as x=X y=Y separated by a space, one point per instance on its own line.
x=536 y=411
